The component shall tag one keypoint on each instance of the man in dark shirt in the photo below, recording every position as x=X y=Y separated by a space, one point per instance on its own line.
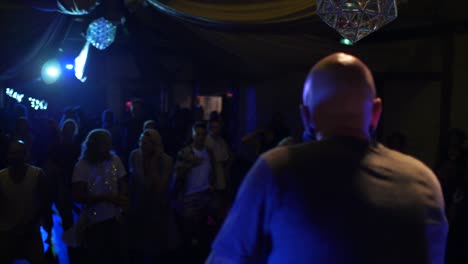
x=343 y=199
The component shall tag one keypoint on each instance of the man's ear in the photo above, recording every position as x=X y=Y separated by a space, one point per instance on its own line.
x=305 y=117
x=376 y=112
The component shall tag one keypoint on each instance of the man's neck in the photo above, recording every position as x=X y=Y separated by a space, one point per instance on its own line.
x=349 y=132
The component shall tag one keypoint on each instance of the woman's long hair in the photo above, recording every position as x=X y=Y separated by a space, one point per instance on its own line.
x=91 y=146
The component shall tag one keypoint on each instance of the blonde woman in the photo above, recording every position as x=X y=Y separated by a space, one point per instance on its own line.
x=150 y=171
x=99 y=183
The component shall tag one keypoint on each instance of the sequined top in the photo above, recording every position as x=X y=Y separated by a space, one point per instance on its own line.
x=101 y=179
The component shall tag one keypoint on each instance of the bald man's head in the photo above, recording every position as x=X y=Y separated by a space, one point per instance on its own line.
x=339 y=97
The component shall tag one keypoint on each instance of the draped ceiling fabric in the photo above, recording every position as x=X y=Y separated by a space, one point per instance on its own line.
x=26 y=45
x=254 y=31
x=266 y=36
x=252 y=12
x=249 y=30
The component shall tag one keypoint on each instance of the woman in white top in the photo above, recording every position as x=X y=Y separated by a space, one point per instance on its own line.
x=149 y=213
x=99 y=184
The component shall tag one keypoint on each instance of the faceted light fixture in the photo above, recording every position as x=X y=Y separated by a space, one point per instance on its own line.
x=101 y=33
x=356 y=19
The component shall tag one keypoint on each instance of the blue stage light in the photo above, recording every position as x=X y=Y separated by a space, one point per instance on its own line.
x=69 y=66
x=51 y=71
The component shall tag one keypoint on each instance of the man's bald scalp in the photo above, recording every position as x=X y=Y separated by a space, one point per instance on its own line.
x=339 y=75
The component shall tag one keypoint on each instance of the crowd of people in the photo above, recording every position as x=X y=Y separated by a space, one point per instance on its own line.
x=162 y=190
x=138 y=199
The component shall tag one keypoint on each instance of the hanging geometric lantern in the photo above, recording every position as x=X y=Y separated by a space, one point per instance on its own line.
x=355 y=19
x=101 y=33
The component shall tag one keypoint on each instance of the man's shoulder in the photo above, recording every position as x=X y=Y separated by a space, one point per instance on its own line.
x=409 y=167
x=424 y=184
x=277 y=159
x=282 y=157
x=34 y=168
x=404 y=160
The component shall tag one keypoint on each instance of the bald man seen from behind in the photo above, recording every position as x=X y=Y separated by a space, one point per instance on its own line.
x=343 y=199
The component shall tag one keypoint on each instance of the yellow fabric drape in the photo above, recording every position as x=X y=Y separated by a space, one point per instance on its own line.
x=244 y=12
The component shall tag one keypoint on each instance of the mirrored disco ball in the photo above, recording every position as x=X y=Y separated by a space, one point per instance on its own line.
x=101 y=33
x=356 y=19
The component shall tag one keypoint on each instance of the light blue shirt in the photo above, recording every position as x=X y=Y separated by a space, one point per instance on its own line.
x=199 y=178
